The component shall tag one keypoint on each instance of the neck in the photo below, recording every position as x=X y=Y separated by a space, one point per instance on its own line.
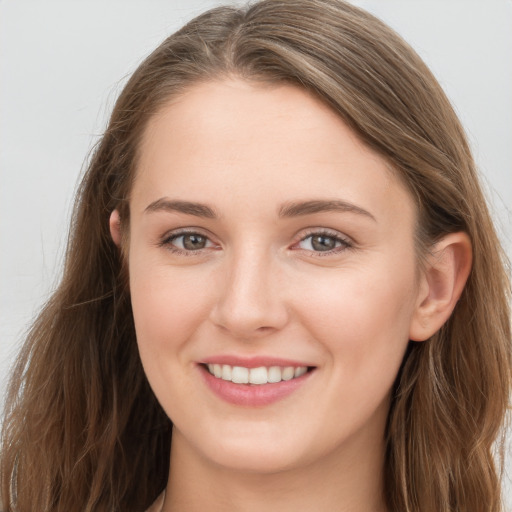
x=346 y=480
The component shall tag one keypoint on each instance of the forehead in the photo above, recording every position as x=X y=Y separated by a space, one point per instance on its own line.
x=247 y=114
x=258 y=142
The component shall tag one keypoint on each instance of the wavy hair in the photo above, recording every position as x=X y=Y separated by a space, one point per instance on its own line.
x=83 y=430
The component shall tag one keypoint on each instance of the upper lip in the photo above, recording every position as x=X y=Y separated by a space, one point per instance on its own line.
x=253 y=361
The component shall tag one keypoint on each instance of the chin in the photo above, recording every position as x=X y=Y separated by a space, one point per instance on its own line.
x=258 y=459
x=258 y=452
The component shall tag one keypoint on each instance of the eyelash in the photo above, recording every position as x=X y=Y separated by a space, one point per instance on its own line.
x=344 y=242
x=169 y=238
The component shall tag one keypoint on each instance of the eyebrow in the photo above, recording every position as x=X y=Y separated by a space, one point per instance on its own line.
x=292 y=209
x=186 y=207
x=296 y=209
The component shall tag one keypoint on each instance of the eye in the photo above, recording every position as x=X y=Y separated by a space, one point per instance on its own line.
x=323 y=242
x=190 y=242
x=187 y=242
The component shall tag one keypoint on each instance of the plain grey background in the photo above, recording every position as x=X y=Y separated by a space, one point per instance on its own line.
x=62 y=64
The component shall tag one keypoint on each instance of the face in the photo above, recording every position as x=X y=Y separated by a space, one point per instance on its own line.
x=269 y=247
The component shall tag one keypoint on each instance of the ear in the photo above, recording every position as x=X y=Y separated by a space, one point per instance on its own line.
x=441 y=284
x=115 y=227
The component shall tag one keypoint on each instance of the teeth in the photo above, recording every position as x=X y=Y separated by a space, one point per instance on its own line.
x=274 y=374
x=260 y=375
x=288 y=373
x=300 y=370
x=240 y=375
x=226 y=372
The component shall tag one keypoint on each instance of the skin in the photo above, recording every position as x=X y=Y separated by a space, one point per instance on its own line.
x=259 y=286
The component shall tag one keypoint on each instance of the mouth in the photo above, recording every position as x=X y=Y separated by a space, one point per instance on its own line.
x=256 y=376
x=254 y=383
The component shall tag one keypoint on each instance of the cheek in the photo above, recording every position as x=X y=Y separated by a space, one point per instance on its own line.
x=362 y=318
x=167 y=307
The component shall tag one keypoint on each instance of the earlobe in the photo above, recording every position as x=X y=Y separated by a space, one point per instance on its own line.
x=115 y=227
x=447 y=270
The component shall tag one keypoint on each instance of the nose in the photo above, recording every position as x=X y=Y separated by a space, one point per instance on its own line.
x=251 y=301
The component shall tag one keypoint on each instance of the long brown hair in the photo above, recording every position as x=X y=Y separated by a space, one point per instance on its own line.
x=82 y=429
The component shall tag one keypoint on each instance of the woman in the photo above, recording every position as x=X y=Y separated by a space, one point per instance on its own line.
x=282 y=287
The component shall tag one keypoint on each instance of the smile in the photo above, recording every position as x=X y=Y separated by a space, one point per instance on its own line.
x=254 y=382
x=258 y=376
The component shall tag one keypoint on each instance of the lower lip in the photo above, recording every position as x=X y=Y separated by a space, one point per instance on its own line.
x=252 y=395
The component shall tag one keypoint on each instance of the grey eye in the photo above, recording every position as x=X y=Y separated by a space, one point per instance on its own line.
x=321 y=242
x=191 y=241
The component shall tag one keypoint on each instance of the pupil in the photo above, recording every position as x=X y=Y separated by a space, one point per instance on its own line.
x=194 y=242
x=323 y=243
